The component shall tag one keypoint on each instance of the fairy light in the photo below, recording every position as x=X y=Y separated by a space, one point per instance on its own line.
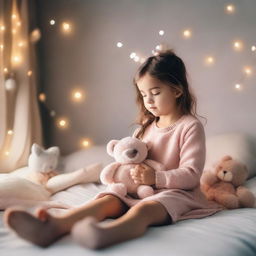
x=29 y=73
x=161 y=32
x=248 y=71
x=7 y=153
x=5 y=70
x=14 y=31
x=119 y=45
x=62 y=123
x=10 y=132
x=136 y=58
x=209 y=60
x=52 y=113
x=1 y=46
x=21 y=44
x=18 y=23
x=2 y=28
x=238 y=87
x=16 y=59
x=42 y=97
x=230 y=8
x=52 y=22
x=85 y=143
x=66 y=27
x=77 y=96
x=132 y=55
x=238 y=45
x=253 y=48
x=187 y=33
x=14 y=16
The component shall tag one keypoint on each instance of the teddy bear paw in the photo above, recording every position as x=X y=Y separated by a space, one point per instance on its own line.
x=118 y=188
x=144 y=191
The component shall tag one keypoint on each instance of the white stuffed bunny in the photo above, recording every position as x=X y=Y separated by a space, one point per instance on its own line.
x=39 y=180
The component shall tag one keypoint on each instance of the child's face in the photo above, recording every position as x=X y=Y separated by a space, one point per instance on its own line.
x=158 y=98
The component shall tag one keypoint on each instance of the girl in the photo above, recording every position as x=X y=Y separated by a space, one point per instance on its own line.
x=168 y=121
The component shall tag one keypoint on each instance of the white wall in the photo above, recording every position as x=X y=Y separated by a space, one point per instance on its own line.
x=90 y=58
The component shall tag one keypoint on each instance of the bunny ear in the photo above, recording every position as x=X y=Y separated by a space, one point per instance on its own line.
x=110 y=147
x=54 y=150
x=36 y=149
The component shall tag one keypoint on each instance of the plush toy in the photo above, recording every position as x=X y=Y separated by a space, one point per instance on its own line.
x=40 y=179
x=127 y=152
x=223 y=184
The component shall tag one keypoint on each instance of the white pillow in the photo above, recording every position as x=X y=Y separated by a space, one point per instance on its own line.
x=83 y=158
x=240 y=146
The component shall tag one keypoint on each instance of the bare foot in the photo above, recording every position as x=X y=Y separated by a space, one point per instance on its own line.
x=41 y=233
x=87 y=233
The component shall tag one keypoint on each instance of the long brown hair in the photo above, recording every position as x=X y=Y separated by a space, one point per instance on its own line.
x=169 y=69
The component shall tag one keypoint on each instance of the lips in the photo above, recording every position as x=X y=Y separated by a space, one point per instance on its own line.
x=152 y=107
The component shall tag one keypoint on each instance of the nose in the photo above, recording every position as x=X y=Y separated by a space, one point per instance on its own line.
x=131 y=153
x=224 y=172
x=149 y=100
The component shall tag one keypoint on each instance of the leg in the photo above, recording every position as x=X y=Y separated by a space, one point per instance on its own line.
x=133 y=224
x=46 y=231
x=84 y=175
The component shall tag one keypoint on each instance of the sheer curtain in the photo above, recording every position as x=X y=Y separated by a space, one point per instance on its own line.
x=20 y=123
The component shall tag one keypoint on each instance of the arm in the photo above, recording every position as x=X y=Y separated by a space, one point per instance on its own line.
x=107 y=174
x=192 y=159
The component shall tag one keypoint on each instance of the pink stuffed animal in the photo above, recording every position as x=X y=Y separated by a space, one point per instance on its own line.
x=223 y=184
x=128 y=152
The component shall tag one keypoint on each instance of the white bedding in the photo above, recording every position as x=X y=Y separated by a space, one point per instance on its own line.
x=229 y=233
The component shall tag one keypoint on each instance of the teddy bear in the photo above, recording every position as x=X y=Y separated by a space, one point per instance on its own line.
x=223 y=184
x=127 y=152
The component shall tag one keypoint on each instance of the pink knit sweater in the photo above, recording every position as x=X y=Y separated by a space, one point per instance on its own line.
x=181 y=148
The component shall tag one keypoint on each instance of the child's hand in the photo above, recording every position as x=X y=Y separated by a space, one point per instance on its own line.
x=142 y=174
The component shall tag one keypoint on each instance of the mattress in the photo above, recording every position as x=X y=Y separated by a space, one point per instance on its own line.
x=229 y=233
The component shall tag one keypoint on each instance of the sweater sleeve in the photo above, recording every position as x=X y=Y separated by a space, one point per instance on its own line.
x=191 y=164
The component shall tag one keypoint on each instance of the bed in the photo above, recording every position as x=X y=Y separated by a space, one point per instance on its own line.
x=229 y=232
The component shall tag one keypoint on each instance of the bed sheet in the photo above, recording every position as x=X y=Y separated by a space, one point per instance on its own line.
x=229 y=233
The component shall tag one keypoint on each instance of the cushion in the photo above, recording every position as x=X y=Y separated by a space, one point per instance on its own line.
x=238 y=145
x=85 y=157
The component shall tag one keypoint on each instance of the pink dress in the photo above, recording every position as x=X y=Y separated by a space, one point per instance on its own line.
x=181 y=149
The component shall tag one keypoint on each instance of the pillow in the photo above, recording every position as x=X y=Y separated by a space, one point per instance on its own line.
x=238 y=145
x=83 y=158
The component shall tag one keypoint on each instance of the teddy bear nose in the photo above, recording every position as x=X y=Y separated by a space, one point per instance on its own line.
x=224 y=172
x=132 y=153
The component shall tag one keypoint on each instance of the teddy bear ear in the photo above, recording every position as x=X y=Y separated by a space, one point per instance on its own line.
x=149 y=145
x=226 y=158
x=110 y=147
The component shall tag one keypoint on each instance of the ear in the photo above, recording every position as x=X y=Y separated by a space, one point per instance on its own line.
x=110 y=147
x=54 y=150
x=36 y=149
x=178 y=92
x=226 y=158
x=149 y=145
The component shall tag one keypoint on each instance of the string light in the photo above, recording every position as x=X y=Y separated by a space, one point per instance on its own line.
x=187 y=33
x=29 y=73
x=161 y=32
x=14 y=16
x=238 y=45
x=1 y=46
x=230 y=8
x=10 y=132
x=5 y=70
x=253 y=48
x=248 y=71
x=16 y=60
x=85 y=143
x=7 y=153
x=62 y=123
x=42 y=97
x=18 y=23
x=2 y=27
x=209 y=60
x=77 y=96
x=119 y=44
x=238 y=87
x=52 y=22
x=136 y=58
x=35 y=35
x=21 y=44
x=52 y=113
x=132 y=55
x=66 y=27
